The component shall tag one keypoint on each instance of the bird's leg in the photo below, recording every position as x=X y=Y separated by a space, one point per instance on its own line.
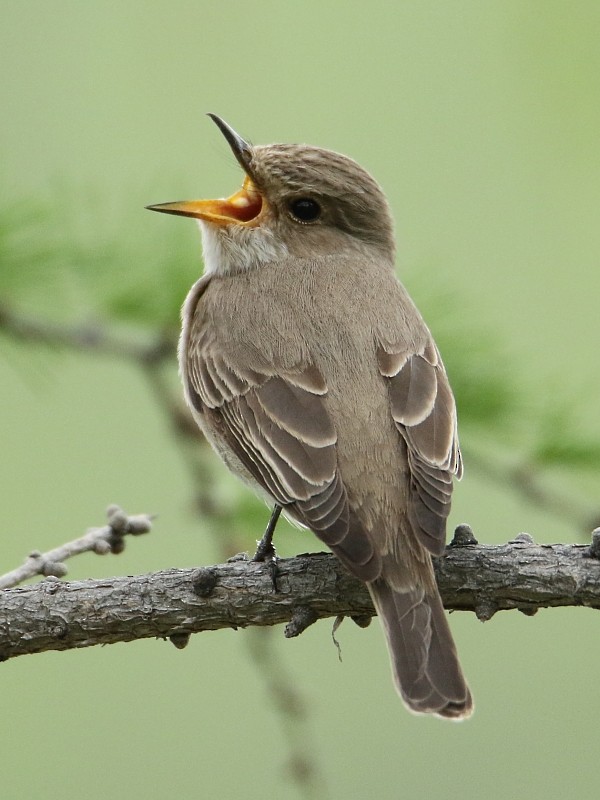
x=265 y=549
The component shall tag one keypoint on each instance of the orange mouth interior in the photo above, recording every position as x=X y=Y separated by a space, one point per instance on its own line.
x=243 y=206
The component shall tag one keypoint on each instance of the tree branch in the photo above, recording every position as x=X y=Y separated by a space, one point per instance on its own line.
x=55 y=615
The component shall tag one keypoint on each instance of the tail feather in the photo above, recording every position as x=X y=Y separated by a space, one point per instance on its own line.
x=425 y=665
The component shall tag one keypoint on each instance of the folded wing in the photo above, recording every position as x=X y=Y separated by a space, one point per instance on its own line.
x=424 y=411
x=278 y=426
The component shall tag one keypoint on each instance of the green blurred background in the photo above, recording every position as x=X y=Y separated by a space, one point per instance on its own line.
x=481 y=121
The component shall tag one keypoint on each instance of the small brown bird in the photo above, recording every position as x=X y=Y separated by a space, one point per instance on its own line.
x=314 y=377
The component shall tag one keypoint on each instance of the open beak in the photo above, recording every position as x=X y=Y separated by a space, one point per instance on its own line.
x=242 y=208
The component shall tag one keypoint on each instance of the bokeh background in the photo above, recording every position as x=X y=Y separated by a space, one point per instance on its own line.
x=481 y=121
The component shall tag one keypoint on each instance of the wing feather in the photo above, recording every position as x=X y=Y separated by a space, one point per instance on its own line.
x=279 y=428
x=297 y=411
x=413 y=392
x=236 y=384
x=202 y=382
x=233 y=431
x=316 y=465
x=423 y=408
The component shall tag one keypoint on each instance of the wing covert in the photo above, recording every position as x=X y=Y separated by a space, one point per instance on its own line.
x=423 y=408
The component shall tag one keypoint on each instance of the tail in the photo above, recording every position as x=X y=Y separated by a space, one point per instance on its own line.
x=425 y=665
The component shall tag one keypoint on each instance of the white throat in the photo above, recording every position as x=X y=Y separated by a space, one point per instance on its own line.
x=235 y=248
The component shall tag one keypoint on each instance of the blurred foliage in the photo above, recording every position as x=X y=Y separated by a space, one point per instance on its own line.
x=156 y=300
x=27 y=249
x=562 y=443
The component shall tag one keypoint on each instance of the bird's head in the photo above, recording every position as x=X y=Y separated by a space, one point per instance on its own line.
x=296 y=200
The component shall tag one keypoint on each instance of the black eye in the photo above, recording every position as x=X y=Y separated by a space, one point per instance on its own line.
x=305 y=210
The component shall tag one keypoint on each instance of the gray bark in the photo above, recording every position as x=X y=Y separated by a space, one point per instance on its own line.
x=57 y=615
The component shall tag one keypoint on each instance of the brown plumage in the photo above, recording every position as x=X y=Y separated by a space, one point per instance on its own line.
x=315 y=379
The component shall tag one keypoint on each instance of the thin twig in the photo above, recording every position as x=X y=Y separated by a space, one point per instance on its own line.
x=108 y=539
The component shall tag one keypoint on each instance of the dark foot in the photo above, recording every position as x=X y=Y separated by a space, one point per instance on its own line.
x=265 y=551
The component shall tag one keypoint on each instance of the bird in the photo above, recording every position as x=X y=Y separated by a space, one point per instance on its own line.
x=314 y=377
